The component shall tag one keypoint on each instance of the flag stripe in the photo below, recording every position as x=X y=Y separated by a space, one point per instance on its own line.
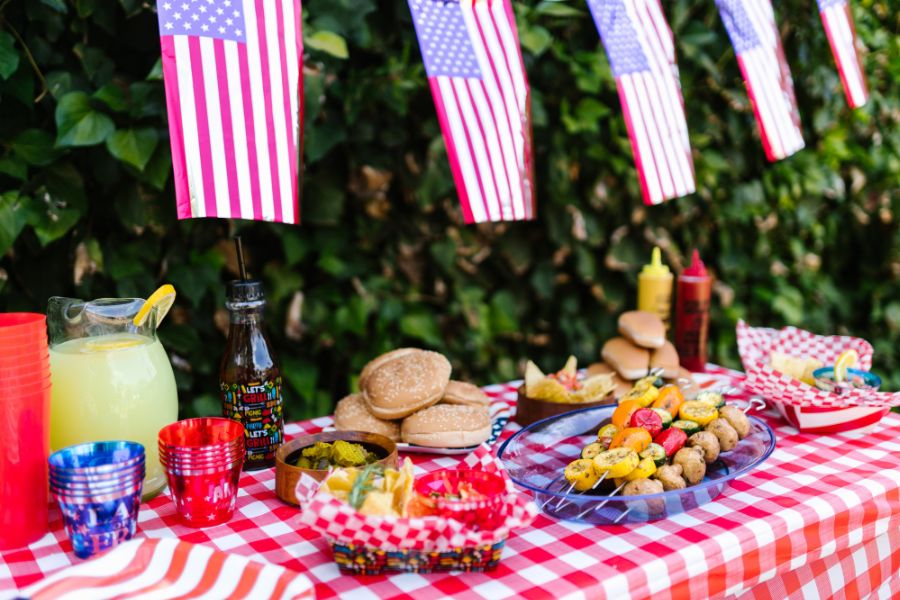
x=189 y=120
x=453 y=149
x=202 y=123
x=223 y=176
x=498 y=110
x=643 y=151
x=270 y=96
x=662 y=44
x=838 y=22
x=286 y=170
x=662 y=120
x=208 y=577
x=475 y=135
x=176 y=129
x=488 y=128
x=241 y=131
x=174 y=571
x=293 y=88
x=459 y=138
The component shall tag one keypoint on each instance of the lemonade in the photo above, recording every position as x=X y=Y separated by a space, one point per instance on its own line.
x=117 y=386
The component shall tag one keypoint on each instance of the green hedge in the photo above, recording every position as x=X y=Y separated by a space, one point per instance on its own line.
x=383 y=259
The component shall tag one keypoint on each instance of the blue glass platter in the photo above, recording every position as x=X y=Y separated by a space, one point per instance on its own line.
x=536 y=456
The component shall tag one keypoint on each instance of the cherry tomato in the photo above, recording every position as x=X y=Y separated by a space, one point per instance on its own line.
x=636 y=438
x=621 y=417
x=672 y=440
x=647 y=419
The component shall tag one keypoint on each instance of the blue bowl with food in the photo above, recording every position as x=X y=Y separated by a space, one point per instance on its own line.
x=536 y=458
x=855 y=379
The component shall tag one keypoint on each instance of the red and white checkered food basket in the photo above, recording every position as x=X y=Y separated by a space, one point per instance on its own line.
x=806 y=407
x=373 y=545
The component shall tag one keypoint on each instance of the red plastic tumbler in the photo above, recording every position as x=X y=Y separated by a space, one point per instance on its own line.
x=24 y=428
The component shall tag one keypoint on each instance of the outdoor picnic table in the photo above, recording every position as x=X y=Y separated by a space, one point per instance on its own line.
x=820 y=517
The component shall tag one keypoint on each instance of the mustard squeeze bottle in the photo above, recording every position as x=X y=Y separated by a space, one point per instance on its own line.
x=655 y=288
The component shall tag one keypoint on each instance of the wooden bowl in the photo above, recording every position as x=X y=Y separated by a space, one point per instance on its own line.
x=529 y=410
x=287 y=475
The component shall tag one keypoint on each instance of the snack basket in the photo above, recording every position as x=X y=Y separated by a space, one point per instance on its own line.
x=370 y=545
x=805 y=407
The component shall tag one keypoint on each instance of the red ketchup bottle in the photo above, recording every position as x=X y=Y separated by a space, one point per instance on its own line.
x=692 y=314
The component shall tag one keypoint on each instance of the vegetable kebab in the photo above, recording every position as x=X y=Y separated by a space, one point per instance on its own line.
x=657 y=441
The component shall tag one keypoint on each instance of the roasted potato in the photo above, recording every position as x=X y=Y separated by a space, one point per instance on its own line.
x=737 y=419
x=670 y=477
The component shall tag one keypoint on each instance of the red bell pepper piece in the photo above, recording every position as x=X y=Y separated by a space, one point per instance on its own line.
x=648 y=419
x=672 y=440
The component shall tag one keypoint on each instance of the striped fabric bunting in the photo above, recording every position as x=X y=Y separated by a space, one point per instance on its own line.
x=235 y=102
x=841 y=32
x=754 y=35
x=641 y=51
x=474 y=65
x=171 y=568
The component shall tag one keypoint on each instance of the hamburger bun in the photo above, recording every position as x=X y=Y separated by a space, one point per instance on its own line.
x=447 y=426
x=623 y=386
x=380 y=360
x=642 y=328
x=405 y=382
x=461 y=392
x=666 y=358
x=351 y=414
x=629 y=361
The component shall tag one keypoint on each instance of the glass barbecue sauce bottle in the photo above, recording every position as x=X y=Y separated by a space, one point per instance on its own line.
x=249 y=376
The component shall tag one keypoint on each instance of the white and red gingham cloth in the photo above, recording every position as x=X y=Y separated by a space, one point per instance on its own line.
x=819 y=519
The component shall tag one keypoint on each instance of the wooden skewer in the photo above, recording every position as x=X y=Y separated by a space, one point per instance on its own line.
x=622 y=516
x=602 y=504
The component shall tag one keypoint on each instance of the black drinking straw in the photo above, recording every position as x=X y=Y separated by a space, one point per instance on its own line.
x=240 y=257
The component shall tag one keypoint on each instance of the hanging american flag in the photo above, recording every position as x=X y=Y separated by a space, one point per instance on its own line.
x=754 y=35
x=477 y=78
x=641 y=51
x=841 y=32
x=235 y=103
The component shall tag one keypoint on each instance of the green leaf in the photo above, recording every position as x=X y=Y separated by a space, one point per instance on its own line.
x=12 y=219
x=57 y=5
x=421 y=325
x=328 y=42
x=14 y=167
x=156 y=73
x=113 y=96
x=9 y=58
x=78 y=124
x=557 y=9
x=35 y=146
x=133 y=146
x=536 y=39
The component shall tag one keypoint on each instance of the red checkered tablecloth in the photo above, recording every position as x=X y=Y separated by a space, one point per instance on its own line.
x=819 y=519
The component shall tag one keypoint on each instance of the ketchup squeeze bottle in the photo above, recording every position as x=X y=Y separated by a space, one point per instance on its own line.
x=692 y=314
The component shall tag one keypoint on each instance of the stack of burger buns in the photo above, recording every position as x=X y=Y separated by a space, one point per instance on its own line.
x=407 y=395
x=642 y=348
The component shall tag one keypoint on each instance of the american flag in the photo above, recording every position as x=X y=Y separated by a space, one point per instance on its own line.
x=477 y=78
x=641 y=51
x=754 y=35
x=235 y=102
x=841 y=32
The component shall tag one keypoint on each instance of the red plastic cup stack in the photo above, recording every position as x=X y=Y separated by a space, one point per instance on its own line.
x=203 y=459
x=24 y=428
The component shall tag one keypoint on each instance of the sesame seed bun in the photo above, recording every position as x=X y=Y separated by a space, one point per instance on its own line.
x=447 y=426
x=351 y=414
x=406 y=382
x=461 y=392
x=665 y=358
x=380 y=360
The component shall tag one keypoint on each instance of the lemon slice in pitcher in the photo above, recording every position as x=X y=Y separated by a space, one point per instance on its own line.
x=163 y=297
x=847 y=360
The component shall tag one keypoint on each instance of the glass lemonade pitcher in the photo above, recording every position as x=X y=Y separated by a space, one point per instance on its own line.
x=112 y=379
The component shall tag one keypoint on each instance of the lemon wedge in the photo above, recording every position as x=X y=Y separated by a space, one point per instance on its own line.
x=163 y=297
x=846 y=360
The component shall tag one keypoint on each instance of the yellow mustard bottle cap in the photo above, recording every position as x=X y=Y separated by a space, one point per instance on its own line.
x=656 y=266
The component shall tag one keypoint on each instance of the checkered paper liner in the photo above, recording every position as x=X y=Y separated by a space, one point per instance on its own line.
x=340 y=523
x=755 y=345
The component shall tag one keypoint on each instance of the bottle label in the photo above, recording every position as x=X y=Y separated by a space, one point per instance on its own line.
x=259 y=407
